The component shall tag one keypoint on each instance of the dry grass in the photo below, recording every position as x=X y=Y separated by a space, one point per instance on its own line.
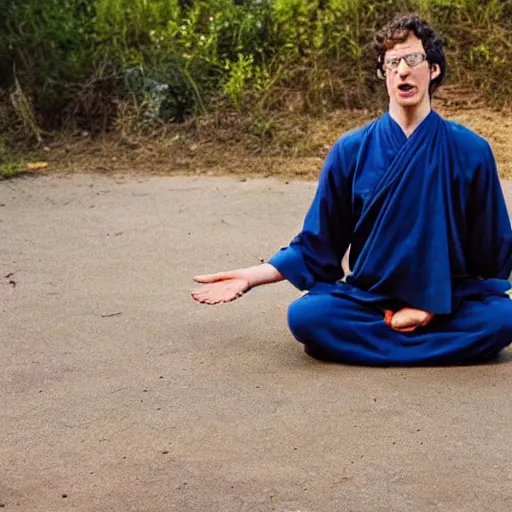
x=289 y=147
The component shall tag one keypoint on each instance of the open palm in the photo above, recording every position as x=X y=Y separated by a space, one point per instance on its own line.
x=219 y=288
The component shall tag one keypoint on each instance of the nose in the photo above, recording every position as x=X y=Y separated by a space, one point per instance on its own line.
x=403 y=69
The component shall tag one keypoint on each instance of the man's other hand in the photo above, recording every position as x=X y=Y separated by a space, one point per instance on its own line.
x=407 y=319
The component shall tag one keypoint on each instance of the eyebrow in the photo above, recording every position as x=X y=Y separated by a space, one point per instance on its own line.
x=408 y=50
x=400 y=54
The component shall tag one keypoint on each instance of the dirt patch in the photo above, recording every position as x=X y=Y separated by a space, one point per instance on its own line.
x=121 y=394
x=286 y=145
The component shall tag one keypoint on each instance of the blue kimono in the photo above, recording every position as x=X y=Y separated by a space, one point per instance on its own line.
x=427 y=227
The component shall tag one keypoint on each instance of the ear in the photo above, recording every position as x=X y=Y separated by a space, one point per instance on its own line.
x=435 y=71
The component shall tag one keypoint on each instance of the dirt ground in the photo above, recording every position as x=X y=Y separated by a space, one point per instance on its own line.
x=118 y=393
x=286 y=145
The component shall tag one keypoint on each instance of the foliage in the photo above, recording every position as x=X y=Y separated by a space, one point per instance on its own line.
x=9 y=163
x=85 y=62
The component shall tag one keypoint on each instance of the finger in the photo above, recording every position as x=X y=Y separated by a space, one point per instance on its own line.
x=223 y=297
x=211 y=300
x=201 y=294
x=211 y=278
x=201 y=291
x=200 y=298
x=207 y=278
x=213 y=297
x=226 y=297
x=212 y=291
x=216 y=300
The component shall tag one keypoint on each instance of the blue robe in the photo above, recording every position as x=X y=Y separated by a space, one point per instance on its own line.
x=427 y=227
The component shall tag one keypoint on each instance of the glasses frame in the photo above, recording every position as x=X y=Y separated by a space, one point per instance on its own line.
x=397 y=60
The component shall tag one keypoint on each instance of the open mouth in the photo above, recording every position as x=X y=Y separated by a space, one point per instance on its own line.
x=405 y=87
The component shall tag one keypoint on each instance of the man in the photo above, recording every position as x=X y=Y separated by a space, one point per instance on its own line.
x=419 y=201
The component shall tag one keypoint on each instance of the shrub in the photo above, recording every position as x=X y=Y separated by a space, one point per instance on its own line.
x=81 y=61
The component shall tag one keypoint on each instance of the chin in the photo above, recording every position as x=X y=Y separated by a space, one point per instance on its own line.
x=409 y=102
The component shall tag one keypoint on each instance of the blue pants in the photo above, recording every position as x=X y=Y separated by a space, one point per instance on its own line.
x=349 y=331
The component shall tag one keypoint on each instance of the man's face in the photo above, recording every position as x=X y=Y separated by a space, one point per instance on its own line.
x=408 y=84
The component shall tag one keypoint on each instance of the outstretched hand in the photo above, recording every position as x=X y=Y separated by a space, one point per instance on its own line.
x=219 y=288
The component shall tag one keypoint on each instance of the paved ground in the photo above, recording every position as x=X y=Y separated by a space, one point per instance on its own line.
x=120 y=394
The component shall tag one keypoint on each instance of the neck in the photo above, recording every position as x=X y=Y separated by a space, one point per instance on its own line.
x=409 y=118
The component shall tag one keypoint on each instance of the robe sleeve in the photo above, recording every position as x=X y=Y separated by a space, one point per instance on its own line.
x=489 y=243
x=315 y=254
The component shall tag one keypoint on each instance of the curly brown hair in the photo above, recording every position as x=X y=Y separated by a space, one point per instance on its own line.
x=397 y=31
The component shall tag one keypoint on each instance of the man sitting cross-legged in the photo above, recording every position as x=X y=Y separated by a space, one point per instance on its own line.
x=419 y=201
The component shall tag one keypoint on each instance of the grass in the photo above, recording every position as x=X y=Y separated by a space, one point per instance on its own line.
x=11 y=170
x=294 y=147
x=92 y=64
x=253 y=85
x=10 y=162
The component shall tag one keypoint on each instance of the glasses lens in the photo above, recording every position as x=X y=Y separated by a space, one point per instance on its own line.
x=392 y=63
x=413 y=59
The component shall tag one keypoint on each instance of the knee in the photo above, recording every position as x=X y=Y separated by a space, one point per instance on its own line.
x=303 y=318
x=504 y=321
x=500 y=321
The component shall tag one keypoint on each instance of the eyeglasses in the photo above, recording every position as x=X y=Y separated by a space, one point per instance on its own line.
x=411 y=59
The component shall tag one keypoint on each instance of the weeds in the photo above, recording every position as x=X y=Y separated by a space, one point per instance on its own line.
x=93 y=63
x=9 y=162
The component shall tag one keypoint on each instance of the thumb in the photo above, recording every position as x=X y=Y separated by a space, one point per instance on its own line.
x=211 y=278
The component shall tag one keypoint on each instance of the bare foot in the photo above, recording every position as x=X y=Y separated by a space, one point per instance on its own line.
x=219 y=288
x=407 y=319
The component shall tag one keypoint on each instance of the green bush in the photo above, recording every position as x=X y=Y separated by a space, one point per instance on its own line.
x=48 y=46
x=9 y=163
x=84 y=62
